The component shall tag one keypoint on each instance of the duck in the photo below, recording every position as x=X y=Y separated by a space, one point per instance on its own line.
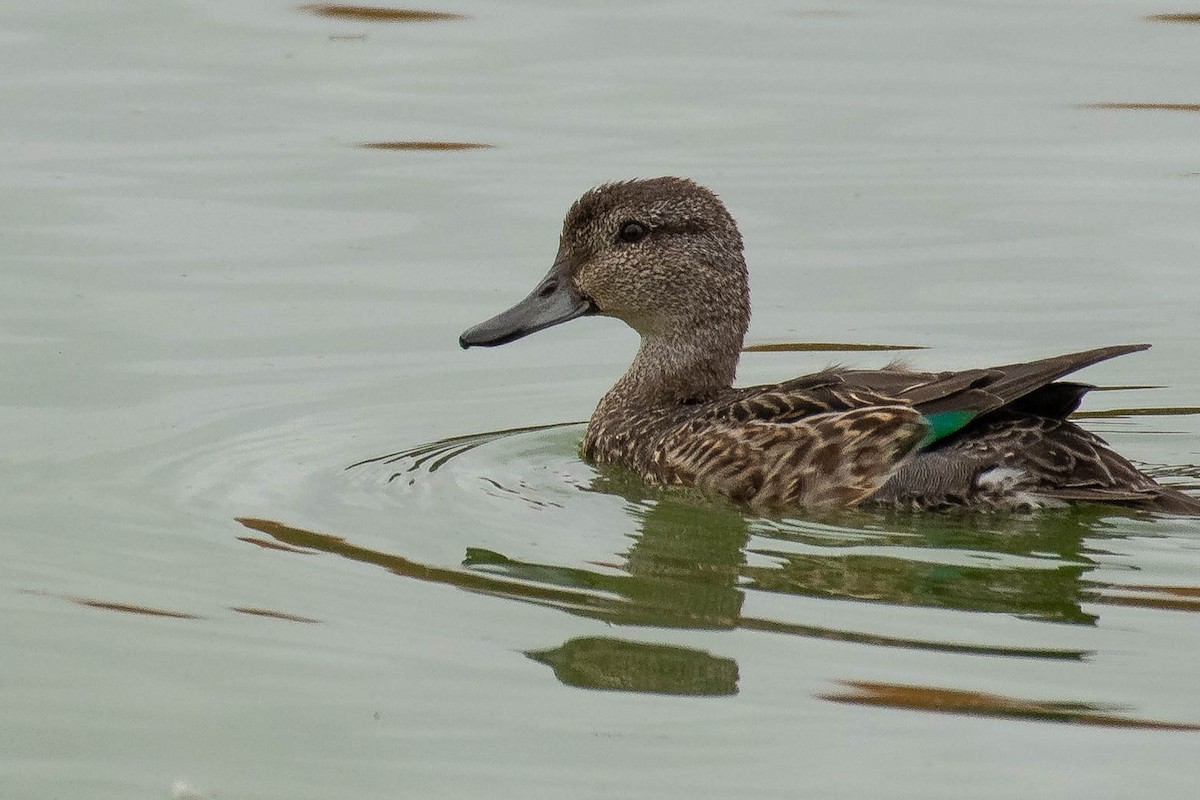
x=665 y=256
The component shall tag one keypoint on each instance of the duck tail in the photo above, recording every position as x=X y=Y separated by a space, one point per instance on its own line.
x=1173 y=501
x=1020 y=379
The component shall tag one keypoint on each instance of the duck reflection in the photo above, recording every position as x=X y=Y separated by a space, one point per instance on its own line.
x=694 y=560
x=682 y=570
x=692 y=564
x=600 y=662
x=1027 y=567
x=704 y=557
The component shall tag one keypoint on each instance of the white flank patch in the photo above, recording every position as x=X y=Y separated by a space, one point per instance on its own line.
x=1000 y=479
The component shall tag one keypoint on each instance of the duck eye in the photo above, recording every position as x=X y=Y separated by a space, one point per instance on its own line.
x=632 y=232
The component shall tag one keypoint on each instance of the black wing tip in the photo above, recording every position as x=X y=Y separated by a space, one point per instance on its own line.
x=1067 y=363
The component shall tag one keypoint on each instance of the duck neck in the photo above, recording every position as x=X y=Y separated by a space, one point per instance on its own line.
x=677 y=368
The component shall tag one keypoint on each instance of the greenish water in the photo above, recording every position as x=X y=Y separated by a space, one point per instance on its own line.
x=269 y=533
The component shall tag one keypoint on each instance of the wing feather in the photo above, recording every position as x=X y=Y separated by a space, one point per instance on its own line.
x=829 y=459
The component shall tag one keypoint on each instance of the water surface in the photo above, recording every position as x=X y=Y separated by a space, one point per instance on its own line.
x=269 y=533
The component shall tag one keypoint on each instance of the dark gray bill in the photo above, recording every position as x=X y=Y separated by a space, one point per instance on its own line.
x=554 y=300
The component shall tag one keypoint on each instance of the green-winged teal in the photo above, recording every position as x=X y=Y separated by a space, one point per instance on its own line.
x=665 y=256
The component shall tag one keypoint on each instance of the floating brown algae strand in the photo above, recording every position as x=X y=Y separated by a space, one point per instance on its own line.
x=1143 y=106
x=268 y=613
x=379 y=13
x=981 y=704
x=419 y=145
x=1186 y=17
x=129 y=608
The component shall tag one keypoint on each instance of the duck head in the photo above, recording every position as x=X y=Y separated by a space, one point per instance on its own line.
x=661 y=254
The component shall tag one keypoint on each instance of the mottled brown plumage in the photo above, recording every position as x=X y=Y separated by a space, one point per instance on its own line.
x=665 y=256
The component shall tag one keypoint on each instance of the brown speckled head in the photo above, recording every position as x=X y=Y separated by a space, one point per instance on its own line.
x=661 y=254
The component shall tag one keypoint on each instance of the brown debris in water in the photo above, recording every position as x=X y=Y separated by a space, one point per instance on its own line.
x=129 y=608
x=982 y=704
x=379 y=13
x=266 y=612
x=1143 y=106
x=419 y=145
x=151 y=611
x=1186 y=17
